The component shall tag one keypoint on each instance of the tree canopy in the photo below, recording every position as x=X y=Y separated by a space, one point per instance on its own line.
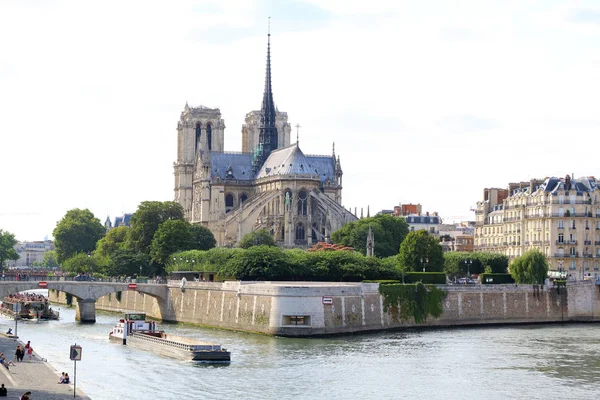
x=81 y=263
x=203 y=238
x=7 y=248
x=260 y=237
x=170 y=237
x=421 y=250
x=531 y=267
x=50 y=259
x=476 y=263
x=146 y=220
x=112 y=242
x=388 y=232
x=77 y=232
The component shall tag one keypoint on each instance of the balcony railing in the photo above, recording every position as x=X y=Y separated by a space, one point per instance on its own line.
x=597 y=242
x=587 y=242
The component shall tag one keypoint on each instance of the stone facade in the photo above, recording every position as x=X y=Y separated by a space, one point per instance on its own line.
x=558 y=216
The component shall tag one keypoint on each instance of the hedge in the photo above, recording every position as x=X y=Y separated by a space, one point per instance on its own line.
x=496 y=279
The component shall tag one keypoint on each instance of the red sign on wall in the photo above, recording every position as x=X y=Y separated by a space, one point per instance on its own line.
x=43 y=285
x=132 y=286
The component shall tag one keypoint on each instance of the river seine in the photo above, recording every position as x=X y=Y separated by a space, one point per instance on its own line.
x=526 y=362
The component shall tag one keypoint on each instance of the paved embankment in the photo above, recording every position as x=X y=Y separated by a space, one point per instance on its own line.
x=35 y=375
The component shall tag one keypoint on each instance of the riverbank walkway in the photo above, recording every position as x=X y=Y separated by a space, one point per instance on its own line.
x=36 y=376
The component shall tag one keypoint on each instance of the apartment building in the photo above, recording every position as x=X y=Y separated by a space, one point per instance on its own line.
x=558 y=216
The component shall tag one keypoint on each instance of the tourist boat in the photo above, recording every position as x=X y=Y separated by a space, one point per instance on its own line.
x=31 y=307
x=134 y=330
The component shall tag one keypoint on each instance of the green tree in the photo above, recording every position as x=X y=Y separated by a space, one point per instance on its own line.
x=80 y=263
x=261 y=237
x=50 y=260
x=170 y=237
x=421 y=250
x=127 y=262
x=114 y=240
x=531 y=267
x=388 y=232
x=7 y=248
x=146 y=220
x=203 y=238
x=77 y=232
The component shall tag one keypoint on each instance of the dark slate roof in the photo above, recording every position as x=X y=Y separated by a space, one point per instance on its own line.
x=291 y=160
x=422 y=219
x=241 y=165
x=580 y=185
x=325 y=165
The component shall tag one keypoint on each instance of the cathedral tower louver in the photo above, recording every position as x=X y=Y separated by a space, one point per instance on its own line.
x=271 y=184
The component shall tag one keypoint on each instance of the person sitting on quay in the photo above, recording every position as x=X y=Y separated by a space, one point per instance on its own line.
x=66 y=379
x=26 y=396
x=62 y=378
x=9 y=331
x=3 y=391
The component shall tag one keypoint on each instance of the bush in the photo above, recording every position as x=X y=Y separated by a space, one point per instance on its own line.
x=496 y=279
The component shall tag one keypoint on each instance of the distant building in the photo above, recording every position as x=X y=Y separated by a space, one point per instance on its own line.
x=30 y=253
x=558 y=216
x=119 y=221
x=457 y=237
x=415 y=219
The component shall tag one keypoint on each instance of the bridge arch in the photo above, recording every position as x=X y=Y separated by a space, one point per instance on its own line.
x=87 y=293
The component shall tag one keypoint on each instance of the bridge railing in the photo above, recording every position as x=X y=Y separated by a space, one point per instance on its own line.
x=38 y=278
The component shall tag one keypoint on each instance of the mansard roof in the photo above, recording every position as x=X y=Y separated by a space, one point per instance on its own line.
x=580 y=185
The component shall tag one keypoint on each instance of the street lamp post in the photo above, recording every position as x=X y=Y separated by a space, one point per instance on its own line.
x=424 y=263
x=468 y=264
x=140 y=270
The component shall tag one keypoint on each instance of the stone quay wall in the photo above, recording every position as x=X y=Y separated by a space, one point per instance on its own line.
x=321 y=308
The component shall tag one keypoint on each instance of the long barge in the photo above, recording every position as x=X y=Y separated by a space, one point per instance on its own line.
x=135 y=331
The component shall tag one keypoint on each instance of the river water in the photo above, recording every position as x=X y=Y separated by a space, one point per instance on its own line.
x=526 y=362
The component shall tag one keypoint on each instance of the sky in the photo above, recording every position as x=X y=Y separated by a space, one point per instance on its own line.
x=427 y=101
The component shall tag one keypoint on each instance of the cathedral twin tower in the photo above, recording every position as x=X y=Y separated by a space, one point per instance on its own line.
x=271 y=184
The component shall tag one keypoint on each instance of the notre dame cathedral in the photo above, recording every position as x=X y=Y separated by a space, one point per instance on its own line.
x=271 y=184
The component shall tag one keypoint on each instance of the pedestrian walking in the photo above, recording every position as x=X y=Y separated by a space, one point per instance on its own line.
x=30 y=352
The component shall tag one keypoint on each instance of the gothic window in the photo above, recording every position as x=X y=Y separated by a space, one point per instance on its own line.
x=314 y=233
x=300 y=232
x=302 y=207
x=209 y=136
x=228 y=202
x=243 y=197
x=198 y=134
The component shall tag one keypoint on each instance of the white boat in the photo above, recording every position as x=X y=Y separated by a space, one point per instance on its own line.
x=134 y=330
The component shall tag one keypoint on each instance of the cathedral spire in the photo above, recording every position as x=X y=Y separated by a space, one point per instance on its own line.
x=267 y=130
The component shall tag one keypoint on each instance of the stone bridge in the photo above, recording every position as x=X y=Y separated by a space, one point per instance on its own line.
x=87 y=293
